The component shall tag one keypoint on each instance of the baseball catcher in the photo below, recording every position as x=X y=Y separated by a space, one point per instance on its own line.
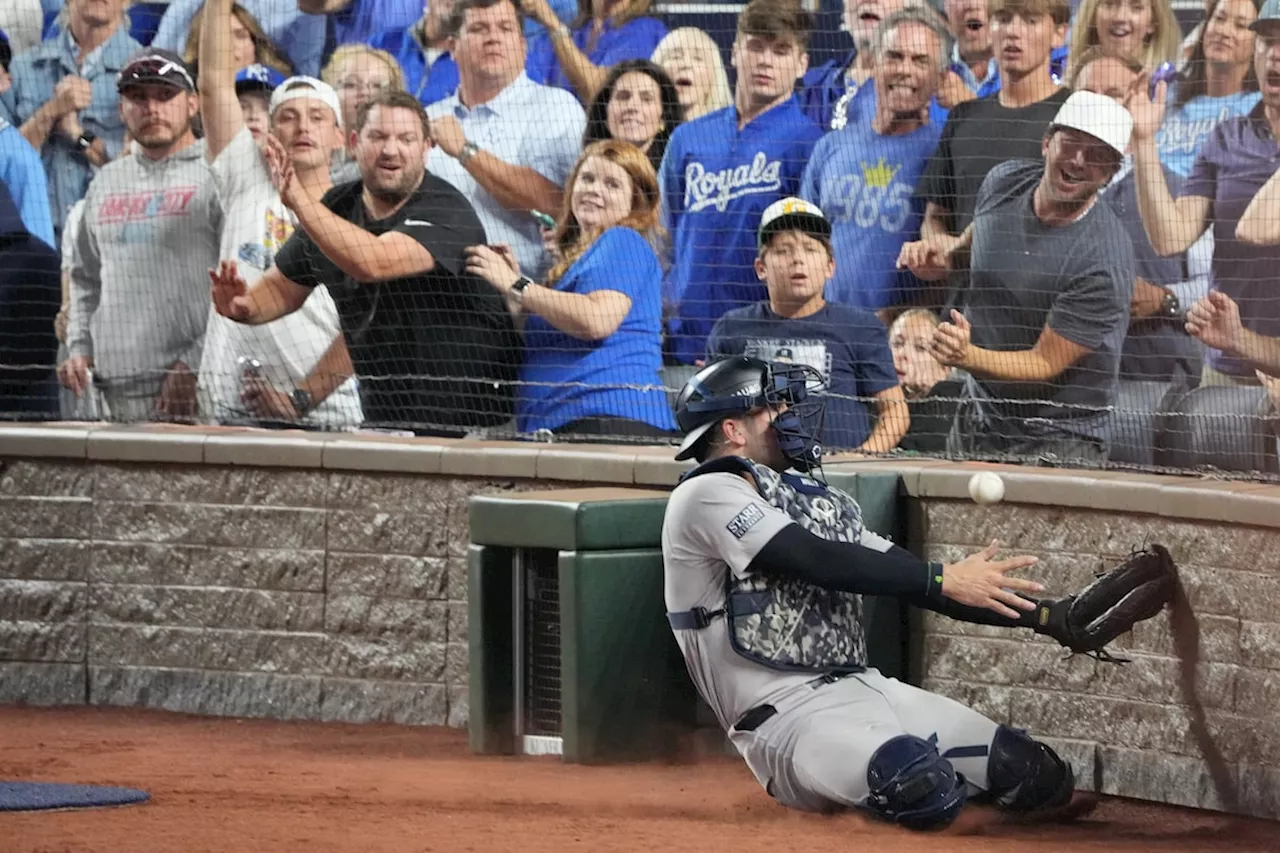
x=765 y=569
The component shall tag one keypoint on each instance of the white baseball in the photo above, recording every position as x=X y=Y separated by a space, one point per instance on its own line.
x=986 y=487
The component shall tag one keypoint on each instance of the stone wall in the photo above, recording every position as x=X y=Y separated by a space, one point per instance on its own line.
x=325 y=578
x=294 y=594
x=1129 y=730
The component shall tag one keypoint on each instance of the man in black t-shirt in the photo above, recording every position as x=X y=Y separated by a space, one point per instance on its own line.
x=434 y=348
x=1009 y=125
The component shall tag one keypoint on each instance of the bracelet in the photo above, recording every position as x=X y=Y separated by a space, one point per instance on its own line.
x=561 y=32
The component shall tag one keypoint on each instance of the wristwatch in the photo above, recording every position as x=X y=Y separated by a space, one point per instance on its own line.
x=302 y=401
x=561 y=32
x=469 y=150
x=86 y=140
x=1170 y=307
x=517 y=289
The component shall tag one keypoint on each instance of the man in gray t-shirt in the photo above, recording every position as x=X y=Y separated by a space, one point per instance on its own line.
x=1040 y=328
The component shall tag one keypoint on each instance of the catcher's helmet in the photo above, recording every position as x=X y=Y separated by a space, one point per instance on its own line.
x=737 y=385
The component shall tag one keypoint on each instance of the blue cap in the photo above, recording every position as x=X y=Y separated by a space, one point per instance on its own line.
x=1269 y=14
x=258 y=76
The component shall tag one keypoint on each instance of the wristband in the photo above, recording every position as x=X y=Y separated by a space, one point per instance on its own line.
x=934 y=583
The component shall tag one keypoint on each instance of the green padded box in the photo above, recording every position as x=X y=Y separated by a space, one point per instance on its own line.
x=621 y=688
x=590 y=519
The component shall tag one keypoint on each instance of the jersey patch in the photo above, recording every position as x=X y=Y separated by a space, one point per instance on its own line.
x=745 y=520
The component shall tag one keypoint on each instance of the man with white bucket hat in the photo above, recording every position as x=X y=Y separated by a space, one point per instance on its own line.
x=1040 y=328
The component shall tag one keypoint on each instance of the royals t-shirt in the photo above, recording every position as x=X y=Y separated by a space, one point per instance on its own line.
x=716 y=182
x=1185 y=129
x=865 y=183
x=847 y=345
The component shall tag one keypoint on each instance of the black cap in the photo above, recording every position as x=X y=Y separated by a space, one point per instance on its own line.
x=156 y=67
x=6 y=51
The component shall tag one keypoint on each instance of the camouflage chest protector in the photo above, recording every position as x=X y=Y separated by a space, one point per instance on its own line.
x=784 y=623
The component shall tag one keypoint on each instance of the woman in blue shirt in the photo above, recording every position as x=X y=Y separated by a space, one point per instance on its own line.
x=593 y=330
x=605 y=33
x=1218 y=83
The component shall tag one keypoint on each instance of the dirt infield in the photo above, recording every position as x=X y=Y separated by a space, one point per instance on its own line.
x=232 y=785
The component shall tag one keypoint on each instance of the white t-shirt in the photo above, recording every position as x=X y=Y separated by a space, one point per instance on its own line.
x=256 y=225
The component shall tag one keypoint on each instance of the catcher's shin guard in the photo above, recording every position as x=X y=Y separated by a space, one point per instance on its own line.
x=1026 y=776
x=911 y=784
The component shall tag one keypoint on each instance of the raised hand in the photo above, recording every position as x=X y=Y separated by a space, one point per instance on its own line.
x=981 y=581
x=280 y=168
x=230 y=292
x=950 y=345
x=1147 y=112
x=1215 y=321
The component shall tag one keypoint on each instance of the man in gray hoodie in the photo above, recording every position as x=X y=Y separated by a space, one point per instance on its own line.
x=139 y=292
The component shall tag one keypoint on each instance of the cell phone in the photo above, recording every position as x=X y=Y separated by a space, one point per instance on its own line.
x=249 y=367
x=1165 y=73
x=543 y=219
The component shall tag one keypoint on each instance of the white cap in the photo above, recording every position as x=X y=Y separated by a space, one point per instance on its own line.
x=792 y=213
x=1099 y=116
x=306 y=87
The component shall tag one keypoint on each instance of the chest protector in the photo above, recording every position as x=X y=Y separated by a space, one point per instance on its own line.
x=785 y=623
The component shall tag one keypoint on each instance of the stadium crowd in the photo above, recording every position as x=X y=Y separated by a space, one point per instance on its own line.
x=473 y=217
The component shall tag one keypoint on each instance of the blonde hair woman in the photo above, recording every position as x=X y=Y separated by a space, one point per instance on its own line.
x=692 y=61
x=593 y=330
x=358 y=73
x=1145 y=30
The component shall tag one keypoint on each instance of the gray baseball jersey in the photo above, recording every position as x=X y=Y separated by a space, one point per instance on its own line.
x=812 y=753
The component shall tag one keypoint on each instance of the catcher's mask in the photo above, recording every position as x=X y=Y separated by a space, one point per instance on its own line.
x=735 y=386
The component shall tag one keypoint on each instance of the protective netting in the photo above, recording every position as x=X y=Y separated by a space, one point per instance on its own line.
x=1025 y=230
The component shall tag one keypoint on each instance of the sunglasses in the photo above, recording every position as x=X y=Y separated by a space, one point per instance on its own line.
x=147 y=70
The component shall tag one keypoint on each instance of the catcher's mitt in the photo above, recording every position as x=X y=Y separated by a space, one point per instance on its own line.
x=1135 y=590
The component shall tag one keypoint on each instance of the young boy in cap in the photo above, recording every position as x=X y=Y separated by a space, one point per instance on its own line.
x=1039 y=330
x=295 y=370
x=847 y=345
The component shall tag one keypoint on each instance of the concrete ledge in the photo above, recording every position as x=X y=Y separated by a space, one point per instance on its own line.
x=1189 y=498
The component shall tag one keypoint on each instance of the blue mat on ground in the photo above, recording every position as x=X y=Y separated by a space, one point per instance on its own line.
x=33 y=796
